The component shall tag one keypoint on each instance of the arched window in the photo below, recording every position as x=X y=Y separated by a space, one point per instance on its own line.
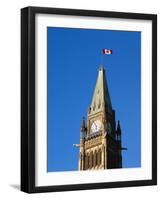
x=90 y=160
x=86 y=161
x=95 y=158
x=99 y=157
x=80 y=161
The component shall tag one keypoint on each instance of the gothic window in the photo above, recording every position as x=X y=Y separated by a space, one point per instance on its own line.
x=90 y=160
x=94 y=159
x=80 y=161
x=86 y=161
x=99 y=157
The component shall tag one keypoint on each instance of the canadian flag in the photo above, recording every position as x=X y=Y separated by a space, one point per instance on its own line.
x=107 y=51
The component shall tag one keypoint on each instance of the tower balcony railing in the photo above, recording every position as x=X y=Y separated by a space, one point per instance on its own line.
x=94 y=134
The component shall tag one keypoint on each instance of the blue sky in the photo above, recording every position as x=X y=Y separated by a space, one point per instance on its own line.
x=74 y=56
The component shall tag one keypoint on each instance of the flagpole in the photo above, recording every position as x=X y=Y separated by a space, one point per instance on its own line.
x=105 y=52
x=101 y=58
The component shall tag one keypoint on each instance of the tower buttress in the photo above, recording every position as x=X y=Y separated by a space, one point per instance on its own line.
x=83 y=132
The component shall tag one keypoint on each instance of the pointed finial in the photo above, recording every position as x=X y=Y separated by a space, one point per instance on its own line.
x=118 y=125
x=118 y=128
x=83 y=130
x=101 y=68
x=118 y=122
x=83 y=125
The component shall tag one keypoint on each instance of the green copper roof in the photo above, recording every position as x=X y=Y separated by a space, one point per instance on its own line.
x=101 y=97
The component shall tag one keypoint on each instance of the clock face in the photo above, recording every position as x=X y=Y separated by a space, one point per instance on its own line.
x=96 y=126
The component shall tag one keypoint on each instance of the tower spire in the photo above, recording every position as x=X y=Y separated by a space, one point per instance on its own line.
x=101 y=98
x=100 y=140
x=118 y=131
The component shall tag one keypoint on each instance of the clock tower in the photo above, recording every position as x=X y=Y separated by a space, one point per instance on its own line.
x=100 y=137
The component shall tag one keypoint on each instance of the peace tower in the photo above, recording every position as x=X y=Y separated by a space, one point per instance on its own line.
x=100 y=137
